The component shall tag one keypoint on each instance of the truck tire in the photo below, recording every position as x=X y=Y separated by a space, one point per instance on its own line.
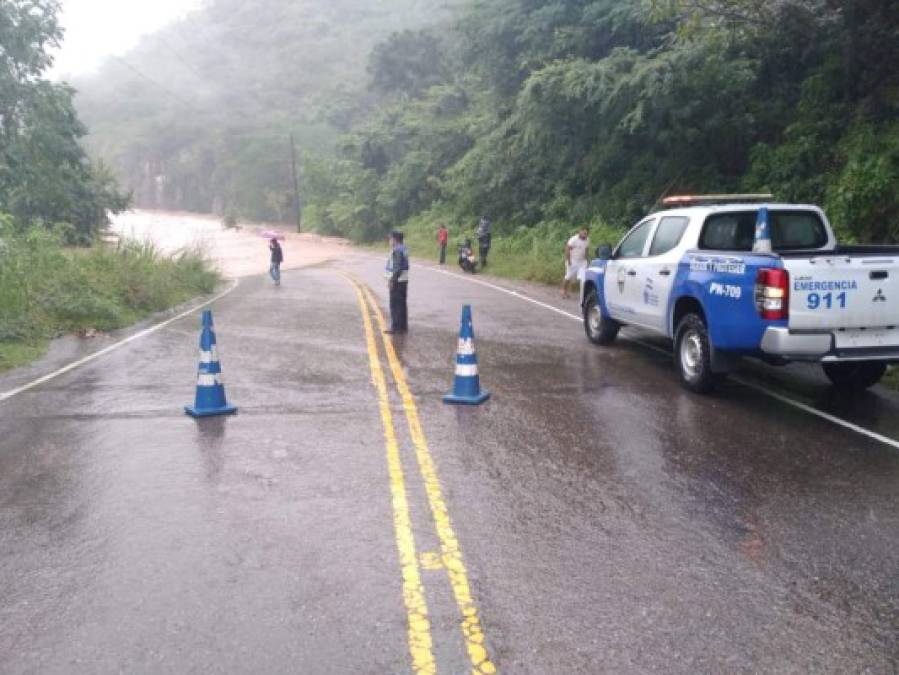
x=693 y=355
x=855 y=375
x=601 y=330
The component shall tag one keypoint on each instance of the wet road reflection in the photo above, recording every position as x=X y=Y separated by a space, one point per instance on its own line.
x=659 y=531
x=610 y=521
x=211 y=435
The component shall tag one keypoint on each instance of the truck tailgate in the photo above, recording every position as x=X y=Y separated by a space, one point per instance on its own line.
x=857 y=295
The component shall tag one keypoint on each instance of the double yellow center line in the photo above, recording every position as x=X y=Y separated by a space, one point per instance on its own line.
x=419 y=626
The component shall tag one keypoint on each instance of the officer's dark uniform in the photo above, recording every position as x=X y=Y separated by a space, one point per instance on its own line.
x=398 y=275
x=484 y=240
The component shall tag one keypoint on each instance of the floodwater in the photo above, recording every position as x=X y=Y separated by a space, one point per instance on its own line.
x=237 y=252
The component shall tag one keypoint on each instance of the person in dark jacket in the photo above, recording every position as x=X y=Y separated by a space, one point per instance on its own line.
x=277 y=259
x=484 y=239
x=397 y=273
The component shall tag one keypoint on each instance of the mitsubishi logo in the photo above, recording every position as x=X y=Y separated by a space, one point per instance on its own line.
x=880 y=297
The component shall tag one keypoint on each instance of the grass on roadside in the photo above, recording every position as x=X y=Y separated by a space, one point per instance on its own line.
x=528 y=253
x=47 y=290
x=15 y=354
x=891 y=379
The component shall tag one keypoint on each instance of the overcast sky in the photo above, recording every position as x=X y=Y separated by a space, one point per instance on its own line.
x=97 y=28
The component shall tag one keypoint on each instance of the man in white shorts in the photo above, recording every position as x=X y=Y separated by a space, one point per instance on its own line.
x=575 y=259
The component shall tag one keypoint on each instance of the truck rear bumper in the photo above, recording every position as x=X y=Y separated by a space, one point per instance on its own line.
x=781 y=342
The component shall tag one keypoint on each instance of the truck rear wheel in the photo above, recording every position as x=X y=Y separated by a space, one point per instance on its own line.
x=855 y=375
x=693 y=355
x=601 y=330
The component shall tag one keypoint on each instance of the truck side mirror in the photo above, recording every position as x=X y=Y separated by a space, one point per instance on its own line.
x=604 y=252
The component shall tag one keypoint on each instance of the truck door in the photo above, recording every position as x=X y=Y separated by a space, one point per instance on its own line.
x=621 y=289
x=658 y=270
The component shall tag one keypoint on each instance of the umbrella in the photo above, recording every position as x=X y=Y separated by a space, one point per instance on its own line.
x=272 y=234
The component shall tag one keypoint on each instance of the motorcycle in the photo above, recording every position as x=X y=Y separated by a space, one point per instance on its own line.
x=467 y=261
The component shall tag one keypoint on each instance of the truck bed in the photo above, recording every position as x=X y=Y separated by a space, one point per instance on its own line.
x=857 y=250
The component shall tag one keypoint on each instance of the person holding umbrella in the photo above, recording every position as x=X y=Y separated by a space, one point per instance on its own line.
x=277 y=256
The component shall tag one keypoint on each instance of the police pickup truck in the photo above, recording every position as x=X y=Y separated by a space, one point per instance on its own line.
x=729 y=276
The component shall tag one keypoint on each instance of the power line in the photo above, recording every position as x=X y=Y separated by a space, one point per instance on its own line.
x=175 y=96
x=241 y=113
x=178 y=57
x=184 y=64
x=156 y=84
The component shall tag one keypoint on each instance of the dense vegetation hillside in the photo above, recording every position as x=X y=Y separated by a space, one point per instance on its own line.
x=199 y=116
x=550 y=113
x=538 y=114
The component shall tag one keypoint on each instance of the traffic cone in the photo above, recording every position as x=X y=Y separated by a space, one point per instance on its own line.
x=762 y=232
x=210 y=400
x=467 y=383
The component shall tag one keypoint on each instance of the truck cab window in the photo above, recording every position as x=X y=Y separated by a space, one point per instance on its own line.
x=633 y=244
x=790 y=231
x=668 y=235
x=797 y=230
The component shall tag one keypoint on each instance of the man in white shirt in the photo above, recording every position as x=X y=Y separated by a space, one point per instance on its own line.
x=575 y=258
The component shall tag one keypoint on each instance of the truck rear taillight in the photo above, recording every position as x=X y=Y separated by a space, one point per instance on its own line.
x=772 y=293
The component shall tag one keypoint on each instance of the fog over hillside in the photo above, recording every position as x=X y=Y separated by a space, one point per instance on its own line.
x=199 y=115
x=538 y=114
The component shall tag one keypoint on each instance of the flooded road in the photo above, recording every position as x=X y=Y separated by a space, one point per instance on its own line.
x=601 y=518
x=237 y=252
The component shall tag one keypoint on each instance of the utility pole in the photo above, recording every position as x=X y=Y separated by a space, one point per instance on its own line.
x=296 y=184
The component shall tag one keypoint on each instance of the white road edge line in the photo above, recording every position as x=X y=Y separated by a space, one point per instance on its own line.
x=508 y=291
x=106 y=350
x=886 y=440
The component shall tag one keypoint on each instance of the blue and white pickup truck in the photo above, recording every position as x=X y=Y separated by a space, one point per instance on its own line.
x=732 y=276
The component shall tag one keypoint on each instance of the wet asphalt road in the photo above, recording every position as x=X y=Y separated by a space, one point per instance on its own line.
x=608 y=520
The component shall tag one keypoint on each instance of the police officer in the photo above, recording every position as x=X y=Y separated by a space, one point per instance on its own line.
x=397 y=274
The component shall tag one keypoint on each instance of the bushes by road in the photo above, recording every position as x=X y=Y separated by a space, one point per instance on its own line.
x=47 y=289
x=533 y=112
x=529 y=253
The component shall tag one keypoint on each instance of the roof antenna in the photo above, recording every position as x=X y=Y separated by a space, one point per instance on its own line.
x=658 y=201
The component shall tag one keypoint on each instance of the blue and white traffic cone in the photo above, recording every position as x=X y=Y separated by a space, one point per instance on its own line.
x=467 y=383
x=762 y=232
x=210 y=400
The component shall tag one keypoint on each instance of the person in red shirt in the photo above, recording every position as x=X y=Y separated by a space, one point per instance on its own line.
x=442 y=238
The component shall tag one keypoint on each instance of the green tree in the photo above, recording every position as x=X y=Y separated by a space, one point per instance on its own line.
x=578 y=109
x=45 y=175
x=409 y=62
